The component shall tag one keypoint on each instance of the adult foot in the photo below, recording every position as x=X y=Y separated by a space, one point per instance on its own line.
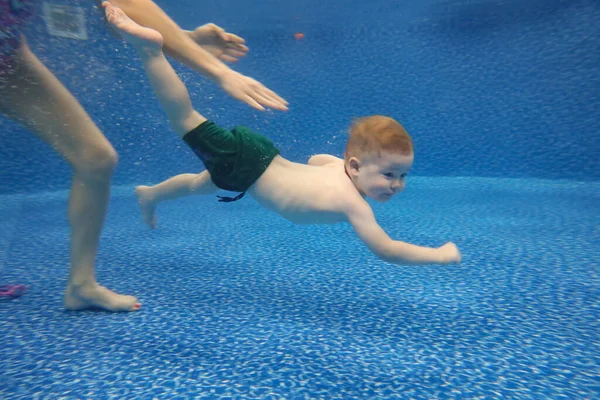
x=95 y=296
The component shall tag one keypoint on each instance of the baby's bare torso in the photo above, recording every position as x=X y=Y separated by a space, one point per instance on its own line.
x=305 y=194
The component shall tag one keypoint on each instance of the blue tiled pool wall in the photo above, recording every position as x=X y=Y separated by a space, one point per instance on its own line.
x=486 y=88
x=239 y=304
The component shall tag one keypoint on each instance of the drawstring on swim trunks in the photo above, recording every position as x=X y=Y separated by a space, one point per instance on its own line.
x=225 y=199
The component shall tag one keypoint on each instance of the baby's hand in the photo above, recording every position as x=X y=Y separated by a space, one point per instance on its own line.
x=449 y=254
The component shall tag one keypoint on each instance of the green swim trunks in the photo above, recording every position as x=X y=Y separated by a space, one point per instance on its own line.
x=235 y=159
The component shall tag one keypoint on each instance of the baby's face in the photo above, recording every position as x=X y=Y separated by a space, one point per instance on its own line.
x=381 y=177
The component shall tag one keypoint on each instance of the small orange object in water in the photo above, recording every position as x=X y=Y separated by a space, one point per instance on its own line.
x=299 y=35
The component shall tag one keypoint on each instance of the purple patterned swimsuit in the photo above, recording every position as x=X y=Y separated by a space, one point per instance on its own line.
x=13 y=16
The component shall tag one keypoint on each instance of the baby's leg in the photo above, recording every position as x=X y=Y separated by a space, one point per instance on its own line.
x=169 y=89
x=173 y=188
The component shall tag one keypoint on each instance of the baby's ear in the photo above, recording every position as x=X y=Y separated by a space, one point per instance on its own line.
x=354 y=163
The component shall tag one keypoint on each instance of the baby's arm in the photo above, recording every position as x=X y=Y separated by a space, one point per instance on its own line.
x=323 y=159
x=363 y=221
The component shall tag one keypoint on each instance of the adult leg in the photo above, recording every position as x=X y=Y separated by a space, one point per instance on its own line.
x=33 y=96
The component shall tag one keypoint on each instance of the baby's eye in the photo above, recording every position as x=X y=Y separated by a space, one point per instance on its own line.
x=388 y=175
x=403 y=176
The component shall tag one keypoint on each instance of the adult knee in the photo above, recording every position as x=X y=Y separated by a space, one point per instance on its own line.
x=98 y=162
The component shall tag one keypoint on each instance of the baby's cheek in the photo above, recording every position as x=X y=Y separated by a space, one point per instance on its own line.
x=383 y=183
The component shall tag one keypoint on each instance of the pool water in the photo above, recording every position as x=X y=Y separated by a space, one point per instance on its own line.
x=501 y=100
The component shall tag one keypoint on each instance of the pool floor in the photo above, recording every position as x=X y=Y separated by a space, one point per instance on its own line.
x=239 y=303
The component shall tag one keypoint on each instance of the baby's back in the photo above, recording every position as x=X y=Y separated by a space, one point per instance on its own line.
x=305 y=194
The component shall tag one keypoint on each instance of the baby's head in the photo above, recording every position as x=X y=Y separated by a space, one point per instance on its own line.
x=378 y=155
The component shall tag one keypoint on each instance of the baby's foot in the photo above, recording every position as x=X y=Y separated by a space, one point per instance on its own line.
x=221 y=44
x=96 y=296
x=135 y=34
x=147 y=205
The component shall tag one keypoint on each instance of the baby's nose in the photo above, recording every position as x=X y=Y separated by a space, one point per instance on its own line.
x=397 y=186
